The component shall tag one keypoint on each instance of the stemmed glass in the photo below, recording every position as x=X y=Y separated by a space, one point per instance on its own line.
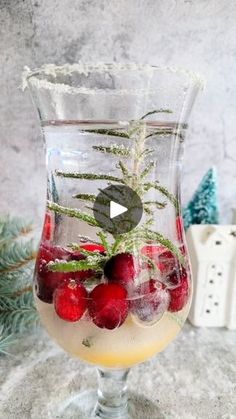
x=112 y=291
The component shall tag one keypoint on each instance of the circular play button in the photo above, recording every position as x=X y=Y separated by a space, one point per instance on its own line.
x=118 y=209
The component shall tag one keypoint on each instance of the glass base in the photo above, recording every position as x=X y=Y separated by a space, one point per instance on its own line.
x=84 y=406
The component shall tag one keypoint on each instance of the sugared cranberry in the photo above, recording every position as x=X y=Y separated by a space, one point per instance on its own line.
x=70 y=301
x=46 y=280
x=178 y=286
x=108 y=305
x=121 y=268
x=47 y=253
x=150 y=301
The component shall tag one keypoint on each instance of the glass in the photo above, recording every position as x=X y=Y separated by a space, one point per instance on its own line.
x=112 y=299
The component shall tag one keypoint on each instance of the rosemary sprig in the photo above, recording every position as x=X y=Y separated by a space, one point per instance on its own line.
x=71 y=212
x=88 y=176
x=164 y=191
x=162 y=110
x=134 y=174
x=94 y=262
x=114 y=149
x=109 y=132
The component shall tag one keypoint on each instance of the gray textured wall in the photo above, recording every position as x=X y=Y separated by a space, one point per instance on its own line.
x=196 y=34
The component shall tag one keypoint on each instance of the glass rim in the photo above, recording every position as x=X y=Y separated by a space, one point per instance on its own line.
x=33 y=76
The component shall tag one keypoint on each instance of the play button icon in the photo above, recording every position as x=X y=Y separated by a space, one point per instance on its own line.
x=118 y=209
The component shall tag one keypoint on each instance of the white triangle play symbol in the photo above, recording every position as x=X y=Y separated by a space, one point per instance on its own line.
x=116 y=209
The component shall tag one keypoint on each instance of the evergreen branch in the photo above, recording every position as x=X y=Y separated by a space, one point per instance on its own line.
x=149 y=185
x=17 y=314
x=77 y=265
x=109 y=132
x=6 y=340
x=13 y=282
x=114 y=149
x=14 y=255
x=89 y=176
x=147 y=169
x=71 y=212
x=154 y=112
x=13 y=228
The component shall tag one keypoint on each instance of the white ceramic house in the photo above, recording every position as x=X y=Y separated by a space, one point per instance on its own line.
x=212 y=251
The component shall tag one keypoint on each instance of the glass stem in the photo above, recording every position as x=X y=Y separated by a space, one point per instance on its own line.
x=112 y=394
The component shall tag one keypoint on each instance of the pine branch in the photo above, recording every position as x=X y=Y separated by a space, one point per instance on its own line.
x=162 y=110
x=71 y=212
x=13 y=282
x=114 y=149
x=88 y=176
x=17 y=314
x=6 y=340
x=12 y=228
x=15 y=255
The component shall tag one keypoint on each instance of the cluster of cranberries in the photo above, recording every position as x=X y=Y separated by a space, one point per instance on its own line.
x=109 y=302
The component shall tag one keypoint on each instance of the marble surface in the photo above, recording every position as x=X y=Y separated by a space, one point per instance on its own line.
x=194 y=378
x=198 y=35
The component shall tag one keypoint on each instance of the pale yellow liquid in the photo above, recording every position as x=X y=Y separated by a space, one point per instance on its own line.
x=123 y=347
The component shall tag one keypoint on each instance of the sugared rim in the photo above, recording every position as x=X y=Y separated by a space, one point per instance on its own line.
x=53 y=70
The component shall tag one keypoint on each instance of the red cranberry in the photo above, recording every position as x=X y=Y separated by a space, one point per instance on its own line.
x=179 y=290
x=70 y=301
x=108 y=305
x=121 y=269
